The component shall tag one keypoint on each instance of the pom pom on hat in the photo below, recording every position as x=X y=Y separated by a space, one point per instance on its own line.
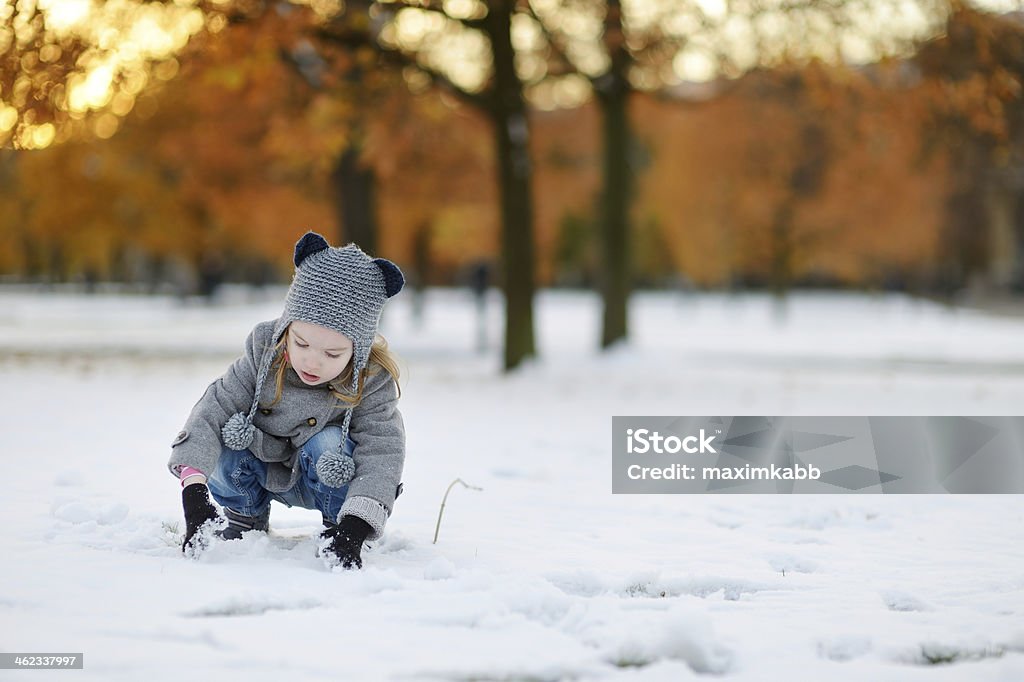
x=335 y=469
x=238 y=433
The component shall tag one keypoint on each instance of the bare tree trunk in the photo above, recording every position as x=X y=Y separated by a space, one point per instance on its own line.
x=613 y=90
x=1004 y=247
x=783 y=255
x=512 y=136
x=355 y=191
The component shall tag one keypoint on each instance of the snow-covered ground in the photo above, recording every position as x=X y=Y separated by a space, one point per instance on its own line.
x=543 y=574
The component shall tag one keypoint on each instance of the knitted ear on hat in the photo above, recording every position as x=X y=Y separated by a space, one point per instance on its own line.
x=394 y=280
x=310 y=243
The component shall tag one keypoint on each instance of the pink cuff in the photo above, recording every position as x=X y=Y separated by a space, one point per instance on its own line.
x=188 y=471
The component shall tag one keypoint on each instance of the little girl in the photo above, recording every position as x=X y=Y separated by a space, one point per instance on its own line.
x=307 y=416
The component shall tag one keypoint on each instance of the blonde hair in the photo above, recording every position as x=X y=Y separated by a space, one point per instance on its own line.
x=381 y=358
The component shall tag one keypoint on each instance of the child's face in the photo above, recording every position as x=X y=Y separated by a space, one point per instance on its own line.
x=318 y=354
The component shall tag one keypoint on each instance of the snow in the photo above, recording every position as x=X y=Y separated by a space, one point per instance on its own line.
x=543 y=574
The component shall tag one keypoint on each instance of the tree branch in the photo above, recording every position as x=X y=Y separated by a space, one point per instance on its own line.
x=398 y=5
x=553 y=42
x=353 y=39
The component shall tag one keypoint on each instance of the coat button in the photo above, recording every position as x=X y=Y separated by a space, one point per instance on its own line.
x=311 y=421
x=265 y=410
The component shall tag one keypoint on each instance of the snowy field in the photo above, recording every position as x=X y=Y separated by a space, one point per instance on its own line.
x=543 y=574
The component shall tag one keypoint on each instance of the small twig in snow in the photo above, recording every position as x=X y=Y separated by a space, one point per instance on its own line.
x=440 y=513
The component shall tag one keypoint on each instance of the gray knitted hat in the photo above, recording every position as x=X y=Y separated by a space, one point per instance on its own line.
x=344 y=290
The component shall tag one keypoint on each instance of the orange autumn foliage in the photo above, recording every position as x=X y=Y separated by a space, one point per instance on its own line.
x=808 y=172
x=724 y=169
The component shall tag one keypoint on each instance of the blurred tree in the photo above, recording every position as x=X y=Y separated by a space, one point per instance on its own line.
x=347 y=84
x=731 y=179
x=435 y=40
x=973 y=76
x=493 y=85
x=434 y=163
x=247 y=147
x=239 y=152
x=396 y=34
x=567 y=166
x=303 y=112
x=74 y=66
x=395 y=151
x=649 y=46
x=799 y=173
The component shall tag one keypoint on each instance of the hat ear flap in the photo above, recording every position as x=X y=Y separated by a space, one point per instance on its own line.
x=310 y=243
x=394 y=280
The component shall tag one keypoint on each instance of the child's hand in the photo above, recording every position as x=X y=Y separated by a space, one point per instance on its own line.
x=200 y=518
x=343 y=543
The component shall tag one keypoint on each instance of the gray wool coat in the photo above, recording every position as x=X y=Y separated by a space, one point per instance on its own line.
x=376 y=428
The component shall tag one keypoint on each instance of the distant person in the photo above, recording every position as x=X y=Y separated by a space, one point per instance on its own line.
x=308 y=416
x=479 y=280
x=212 y=271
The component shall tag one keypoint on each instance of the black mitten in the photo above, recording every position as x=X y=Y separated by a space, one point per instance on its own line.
x=199 y=511
x=342 y=543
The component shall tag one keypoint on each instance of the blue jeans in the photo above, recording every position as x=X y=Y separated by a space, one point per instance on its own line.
x=239 y=482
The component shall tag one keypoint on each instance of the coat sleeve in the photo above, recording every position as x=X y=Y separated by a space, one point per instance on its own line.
x=378 y=432
x=198 y=444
